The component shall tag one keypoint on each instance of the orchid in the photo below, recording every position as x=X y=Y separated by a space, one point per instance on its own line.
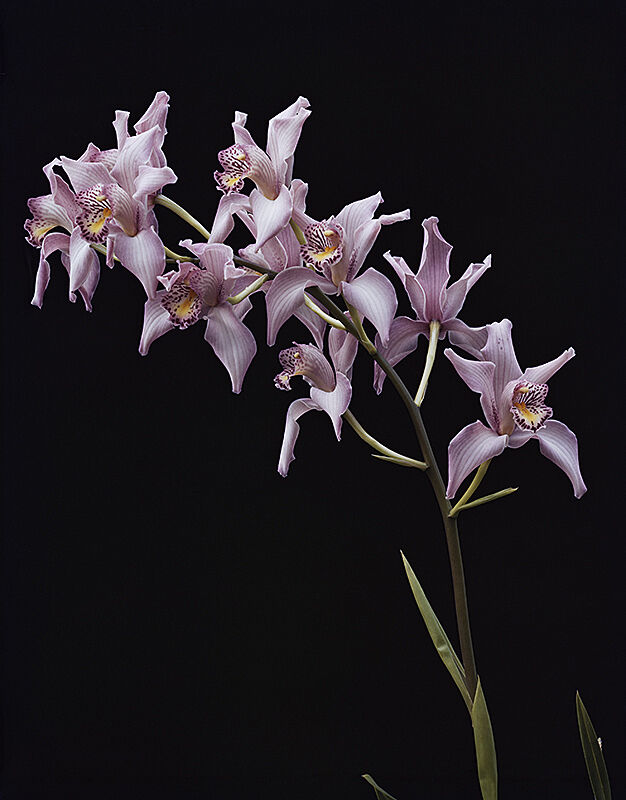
x=513 y=403
x=331 y=389
x=269 y=169
x=436 y=305
x=334 y=251
x=109 y=205
x=202 y=291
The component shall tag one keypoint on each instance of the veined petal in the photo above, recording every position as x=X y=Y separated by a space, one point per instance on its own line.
x=544 y=372
x=413 y=289
x=558 y=443
x=51 y=243
x=223 y=222
x=352 y=216
x=298 y=190
x=83 y=261
x=85 y=174
x=135 y=152
x=47 y=215
x=364 y=238
x=120 y=124
x=479 y=376
x=232 y=342
x=151 y=180
x=61 y=193
x=307 y=361
x=434 y=272
x=123 y=208
x=143 y=255
x=286 y=295
x=156 y=322
x=472 y=340
x=343 y=348
x=292 y=429
x=499 y=350
x=373 y=295
x=270 y=216
x=215 y=258
x=156 y=114
x=403 y=337
x=284 y=132
x=313 y=322
x=469 y=449
x=336 y=402
x=456 y=293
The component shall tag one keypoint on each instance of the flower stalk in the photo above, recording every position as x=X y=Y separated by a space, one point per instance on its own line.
x=387 y=454
x=168 y=203
x=435 y=326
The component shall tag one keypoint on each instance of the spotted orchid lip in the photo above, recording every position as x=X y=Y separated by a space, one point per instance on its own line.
x=324 y=245
x=529 y=411
x=308 y=361
x=246 y=161
x=93 y=220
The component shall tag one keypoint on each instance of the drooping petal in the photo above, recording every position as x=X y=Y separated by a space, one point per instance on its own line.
x=544 y=372
x=336 y=402
x=469 y=449
x=558 y=443
x=479 y=376
x=434 y=272
x=143 y=255
x=51 y=243
x=120 y=124
x=374 y=296
x=61 y=193
x=150 y=180
x=85 y=174
x=156 y=114
x=233 y=343
x=499 y=350
x=271 y=216
x=83 y=261
x=156 y=322
x=286 y=295
x=403 y=338
x=284 y=132
x=135 y=152
x=456 y=293
x=223 y=223
x=292 y=429
x=472 y=340
x=314 y=323
x=47 y=215
x=343 y=348
x=411 y=285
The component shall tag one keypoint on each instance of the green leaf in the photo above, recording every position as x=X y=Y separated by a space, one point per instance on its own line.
x=485 y=747
x=592 y=751
x=381 y=794
x=438 y=635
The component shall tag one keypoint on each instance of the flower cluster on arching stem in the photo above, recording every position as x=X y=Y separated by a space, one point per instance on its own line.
x=104 y=205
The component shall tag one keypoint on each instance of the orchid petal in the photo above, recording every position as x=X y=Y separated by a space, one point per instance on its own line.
x=286 y=295
x=413 y=289
x=292 y=429
x=558 y=443
x=213 y=257
x=51 y=243
x=499 y=350
x=143 y=255
x=156 y=322
x=469 y=449
x=374 y=296
x=270 y=216
x=544 y=372
x=298 y=190
x=456 y=293
x=151 y=180
x=472 y=340
x=315 y=324
x=223 y=223
x=403 y=338
x=135 y=152
x=232 y=342
x=343 y=348
x=352 y=216
x=363 y=240
x=123 y=207
x=275 y=255
x=434 y=272
x=479 y=376
x=284 y=132
x=120 y=125
x=83 y=261
x=85 y=174
x=519 y=438
x=336 y=402
x=156 y=114
x=62 y=195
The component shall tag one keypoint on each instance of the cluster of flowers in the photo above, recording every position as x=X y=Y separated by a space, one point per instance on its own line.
x=108 y=205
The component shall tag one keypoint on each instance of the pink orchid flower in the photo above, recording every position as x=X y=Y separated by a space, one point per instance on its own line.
x=513 y=404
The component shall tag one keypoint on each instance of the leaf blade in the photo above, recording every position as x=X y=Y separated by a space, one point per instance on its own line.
x=485 y=747
x=594 y=759
x=381 y=794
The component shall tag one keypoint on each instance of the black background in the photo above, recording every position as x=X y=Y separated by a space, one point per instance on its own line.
x=179 y=621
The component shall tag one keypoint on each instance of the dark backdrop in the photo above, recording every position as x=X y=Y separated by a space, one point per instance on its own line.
x=179 y=621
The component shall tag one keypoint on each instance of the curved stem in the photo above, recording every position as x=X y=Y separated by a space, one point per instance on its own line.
x=326 y=317
x=237 y=298
x=476 y=481
x=430 y=360
x=391 y=454
x=161 y=200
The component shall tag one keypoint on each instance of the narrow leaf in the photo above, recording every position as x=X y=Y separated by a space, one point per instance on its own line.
x=438 y=635
x=592 y=751
x=381 y=794
x=485 y=747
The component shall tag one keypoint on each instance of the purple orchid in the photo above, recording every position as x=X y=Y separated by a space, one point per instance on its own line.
x=110 y=205
x=334 y=252
x=269 y=169
x=433 y=301
x=331 y=390
x=513 y=404
x=201 y=291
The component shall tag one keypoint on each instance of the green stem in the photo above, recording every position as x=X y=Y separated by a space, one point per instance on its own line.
x=476 y=481
x=180 y=211
x=326 y=317
x=237 y=298
x=298 y=231
x=390 y=454
x=488 y=498
x=430 y=360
